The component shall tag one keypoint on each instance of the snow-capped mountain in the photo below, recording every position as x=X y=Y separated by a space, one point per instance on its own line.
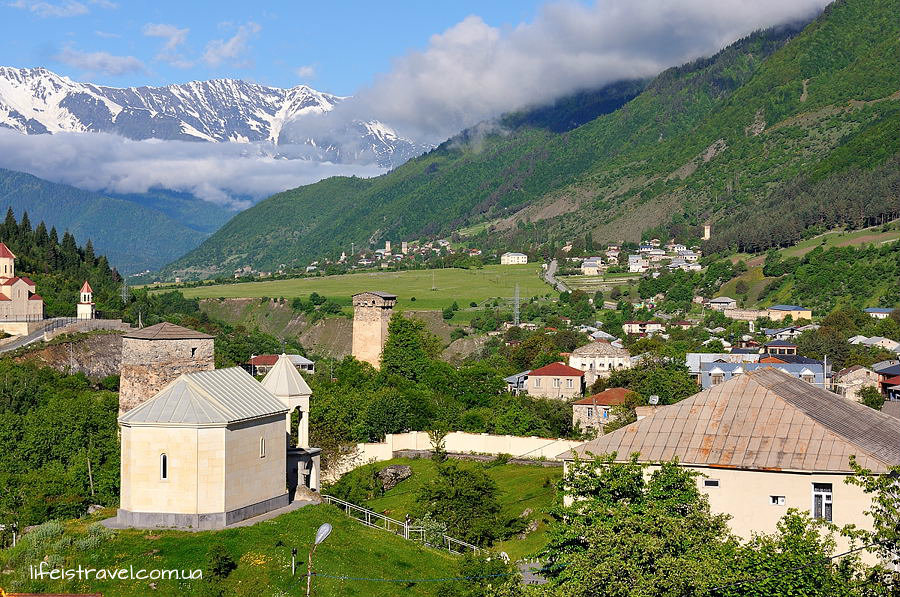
x=38 y=101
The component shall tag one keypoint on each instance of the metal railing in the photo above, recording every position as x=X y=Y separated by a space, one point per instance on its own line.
x=375 y=520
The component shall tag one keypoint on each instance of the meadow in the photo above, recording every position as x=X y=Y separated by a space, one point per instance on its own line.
x=525 y=489
x=415 y=289
x=262 y=553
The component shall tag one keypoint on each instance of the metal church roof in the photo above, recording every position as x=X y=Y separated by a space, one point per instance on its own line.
x=207 y=398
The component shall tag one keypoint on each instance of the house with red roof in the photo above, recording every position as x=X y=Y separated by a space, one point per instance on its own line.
x=556 y=380
x=594 y=411
x=19 y=301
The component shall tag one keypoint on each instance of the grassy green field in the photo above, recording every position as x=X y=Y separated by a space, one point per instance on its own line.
x=522 y=487
x=451 y=284
x=842 y=238
x=262 y=553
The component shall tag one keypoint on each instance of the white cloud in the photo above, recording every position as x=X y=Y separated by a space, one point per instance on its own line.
x=216 y=172
x=307 y=71
x=65 y=8
x=106 y=34
x=473 y=71
x=232 y=49
x=99 y=62
x=174 y=37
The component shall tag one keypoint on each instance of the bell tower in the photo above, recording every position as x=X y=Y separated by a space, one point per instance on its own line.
x=85 y=307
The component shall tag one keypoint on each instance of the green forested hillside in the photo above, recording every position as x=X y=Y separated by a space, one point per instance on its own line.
x=136 y=232
x=59 y=266
x=706 y=140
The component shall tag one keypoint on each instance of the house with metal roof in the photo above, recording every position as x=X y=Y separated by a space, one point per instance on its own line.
x=761 y=443
x=779 y=312
x=207 y=451
x=879 y=312
x=712 y=374
x=599 y=359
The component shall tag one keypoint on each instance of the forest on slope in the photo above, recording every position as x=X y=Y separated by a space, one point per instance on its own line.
x=701 y=141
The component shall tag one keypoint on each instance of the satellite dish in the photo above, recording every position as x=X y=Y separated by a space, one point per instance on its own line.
x=654 y=400
x=323 y=533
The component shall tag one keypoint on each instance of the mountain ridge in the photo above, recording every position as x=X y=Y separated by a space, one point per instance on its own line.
x=39 y=101
x=700 y=140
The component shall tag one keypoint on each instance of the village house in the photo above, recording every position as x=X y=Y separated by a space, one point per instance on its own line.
x=642 y=327
x=592 y=266
x=262 y=363
x=712 y=374
x=849 y=381
x=876 y=342
x=780 y=312
x=599 y=359
x=696 y=360
x=762 y=443
x=593 y=412
x=720 y=303
x=637 y=264
x=556 y=380
x=513 y=258
x=879 y=312
x=780 y=347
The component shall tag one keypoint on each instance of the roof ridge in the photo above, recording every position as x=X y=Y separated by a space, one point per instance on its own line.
x=206 y=395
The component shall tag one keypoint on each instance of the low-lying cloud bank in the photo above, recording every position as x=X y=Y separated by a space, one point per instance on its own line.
x=216 y=172
x=472 y=71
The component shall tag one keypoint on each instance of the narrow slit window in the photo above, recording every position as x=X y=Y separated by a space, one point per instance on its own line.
x=262 y=447
x=163 y=467
x=710 y=482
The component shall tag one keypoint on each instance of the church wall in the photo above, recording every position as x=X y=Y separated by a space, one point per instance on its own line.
x=250 y=479
x=195 y=482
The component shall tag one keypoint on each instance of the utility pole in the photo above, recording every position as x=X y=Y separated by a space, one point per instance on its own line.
x=516 y=308
x=124 y=291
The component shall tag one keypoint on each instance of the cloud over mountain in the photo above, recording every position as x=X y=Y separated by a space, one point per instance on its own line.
x=223 y=173
x=473 y=71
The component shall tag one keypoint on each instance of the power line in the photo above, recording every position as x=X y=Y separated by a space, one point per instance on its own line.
x=413 y=580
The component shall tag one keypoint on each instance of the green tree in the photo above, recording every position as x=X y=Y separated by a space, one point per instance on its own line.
x=871 y=397
x=466 y=500
x=404 y=351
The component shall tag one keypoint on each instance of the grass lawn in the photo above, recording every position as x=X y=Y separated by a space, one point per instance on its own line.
x=841 y=238
x=262 y=553
x=521 y=487
x=451 y=284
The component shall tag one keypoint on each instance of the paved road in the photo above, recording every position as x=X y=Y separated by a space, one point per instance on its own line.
x=35 y=336
x=550 y=277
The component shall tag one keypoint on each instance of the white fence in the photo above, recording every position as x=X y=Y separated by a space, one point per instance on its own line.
x=373 y=519
x=458 y=442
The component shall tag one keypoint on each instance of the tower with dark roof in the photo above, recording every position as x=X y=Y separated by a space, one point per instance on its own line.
x=371 y=313
x=154 y=356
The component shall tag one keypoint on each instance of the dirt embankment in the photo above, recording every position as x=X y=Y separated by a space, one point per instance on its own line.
x=97 y=354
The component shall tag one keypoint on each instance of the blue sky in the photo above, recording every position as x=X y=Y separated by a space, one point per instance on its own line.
x=332 y=46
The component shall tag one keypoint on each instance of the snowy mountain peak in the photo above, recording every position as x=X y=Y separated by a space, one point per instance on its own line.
x=39 y=101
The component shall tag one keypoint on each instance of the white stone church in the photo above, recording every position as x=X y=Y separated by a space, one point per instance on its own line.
x=213 y=448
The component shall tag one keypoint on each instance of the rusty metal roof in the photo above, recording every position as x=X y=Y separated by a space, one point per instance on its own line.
x=763 y=420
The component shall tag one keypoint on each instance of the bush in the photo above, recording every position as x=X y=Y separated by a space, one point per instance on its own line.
x=219 y=563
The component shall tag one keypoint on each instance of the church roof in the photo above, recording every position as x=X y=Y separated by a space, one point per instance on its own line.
x=761 y=420
x=5 y=252
x=207 y=398
x=86 y=287
x=600 y=349
x=284 y=380
x=166 y=331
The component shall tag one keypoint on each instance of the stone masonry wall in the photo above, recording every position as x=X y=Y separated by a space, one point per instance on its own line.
x=148 y=365
x=370 y=332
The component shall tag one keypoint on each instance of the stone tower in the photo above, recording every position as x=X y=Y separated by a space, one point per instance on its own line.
x=85 y=307
x=154 y=356
x=707 y=231
x=371 y=314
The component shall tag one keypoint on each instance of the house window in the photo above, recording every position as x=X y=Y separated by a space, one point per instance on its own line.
x=163 y=467
x=193 y=351
x=590 y=412
x=537 y=382
x=262 y=447
x=710 y=482
x=556 y=382
x=808 y=378
x=605 y=413
x=776 y=500
x=717 y=378
x=822 y=501
x=569 y=383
